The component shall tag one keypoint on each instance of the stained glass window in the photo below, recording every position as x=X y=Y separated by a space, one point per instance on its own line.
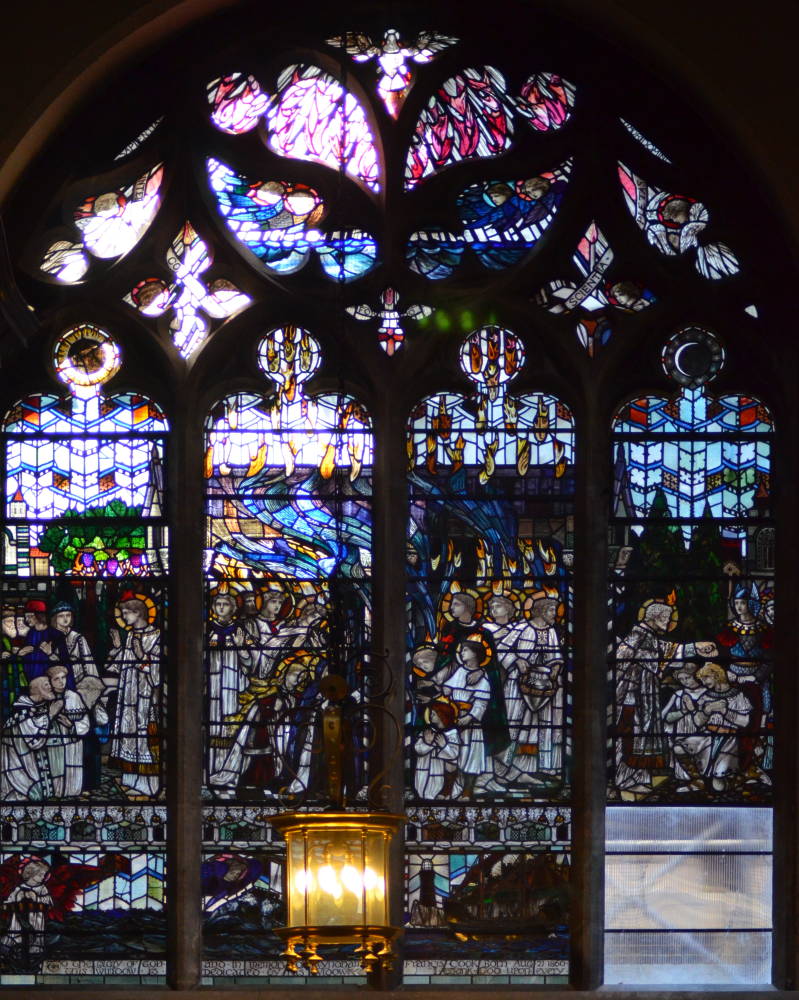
x=692 y=701
x=85 y=556
x=288 y=567
x=393 y=278
x=489 y=606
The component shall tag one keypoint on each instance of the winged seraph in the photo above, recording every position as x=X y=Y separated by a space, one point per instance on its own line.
x=674 y=223
x=390 y=331
x=395 y=76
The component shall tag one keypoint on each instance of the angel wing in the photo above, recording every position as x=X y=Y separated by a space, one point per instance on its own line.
x=67 y=880
x=9 y=875
x=716 y=260
x=112 y=223
x=356 y=44
x=428 y=44
x=363 y=311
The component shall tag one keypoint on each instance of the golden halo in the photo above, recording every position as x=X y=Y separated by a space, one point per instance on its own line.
x=675 y=615
x=288 y=599
x=508 y=593
x=152 y=610
x=86 y=356
x=446 y=601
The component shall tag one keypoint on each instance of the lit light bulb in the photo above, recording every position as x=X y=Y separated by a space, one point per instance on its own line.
x=373 y=882
x=329 y=883
x=351 y=878
x=304 y=881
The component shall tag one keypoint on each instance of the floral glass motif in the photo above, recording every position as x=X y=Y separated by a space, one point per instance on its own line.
x=83 y=592
x=692 y=591
x=390 y=331
x=392 y=55
x=502 y=222
x=489 y=606
x=673 y=224
x=289 y=526
x=276 y=221
x=187 y=296
x=646 y=143
x=592 y=300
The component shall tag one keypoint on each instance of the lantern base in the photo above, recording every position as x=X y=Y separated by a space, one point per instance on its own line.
x=374 y=945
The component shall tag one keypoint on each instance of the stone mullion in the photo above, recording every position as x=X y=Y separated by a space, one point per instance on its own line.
x=184 y=737
x=390 y=515
x=593 y=459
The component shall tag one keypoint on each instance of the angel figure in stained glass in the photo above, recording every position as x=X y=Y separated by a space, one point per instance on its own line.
x=674 y=224
x=136 y=660
x=33 y=892
x=392 y=55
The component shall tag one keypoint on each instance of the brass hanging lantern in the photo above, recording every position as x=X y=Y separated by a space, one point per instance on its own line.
x=337 y=886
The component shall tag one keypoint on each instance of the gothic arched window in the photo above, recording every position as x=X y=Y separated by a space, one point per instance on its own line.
x=412 y=299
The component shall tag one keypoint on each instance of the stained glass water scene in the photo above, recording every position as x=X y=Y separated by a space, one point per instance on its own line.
x=502 y=222
x=288 y=566
x=276 y=221
x=593 y=298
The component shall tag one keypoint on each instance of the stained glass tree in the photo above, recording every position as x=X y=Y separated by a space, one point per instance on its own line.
x=85 y=555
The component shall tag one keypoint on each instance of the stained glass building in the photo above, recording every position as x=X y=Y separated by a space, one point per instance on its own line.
x=382 y=363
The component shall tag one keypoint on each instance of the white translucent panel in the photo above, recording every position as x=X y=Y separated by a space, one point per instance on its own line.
x=711 y=958
x=687 y=891
x=680 y=829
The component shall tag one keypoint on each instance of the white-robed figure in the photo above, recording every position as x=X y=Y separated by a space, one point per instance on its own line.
x=274 y=737
x=533 y=661
x=66 y=735
x=137 y=661
x=79 y=657
x=689 y=743
x=437 y=749
x=28 y=905
x=641 y=659
x=468 y=687
x=25 y=768
x=231 y=656
x=724 y=711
